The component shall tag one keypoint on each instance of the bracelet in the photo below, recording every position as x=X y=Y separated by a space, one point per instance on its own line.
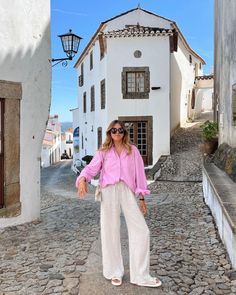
x=142 y=199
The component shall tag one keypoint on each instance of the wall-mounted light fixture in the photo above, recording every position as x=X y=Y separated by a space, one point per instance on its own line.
x=70 y=43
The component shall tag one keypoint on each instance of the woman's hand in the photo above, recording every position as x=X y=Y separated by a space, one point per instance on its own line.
x=142 y=205
x=82 y=188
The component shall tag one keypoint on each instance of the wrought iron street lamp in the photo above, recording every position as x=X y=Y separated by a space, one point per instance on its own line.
x=70 y=43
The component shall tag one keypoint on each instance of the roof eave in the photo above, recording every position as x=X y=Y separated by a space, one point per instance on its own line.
x=103 y=25
x=186 y=43
x=87 y=48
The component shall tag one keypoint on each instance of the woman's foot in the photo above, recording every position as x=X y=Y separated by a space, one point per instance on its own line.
x=116 y=281
x=152 y=283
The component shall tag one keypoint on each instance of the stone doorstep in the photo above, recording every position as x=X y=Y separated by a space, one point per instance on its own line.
x=225 y=190
x=150 y=173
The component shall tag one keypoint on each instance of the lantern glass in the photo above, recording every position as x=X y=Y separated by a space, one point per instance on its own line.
x=70 y=43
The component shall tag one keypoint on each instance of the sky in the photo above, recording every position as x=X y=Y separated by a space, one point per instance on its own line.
x=194 y=19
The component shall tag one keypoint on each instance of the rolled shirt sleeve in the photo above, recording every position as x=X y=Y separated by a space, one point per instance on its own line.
x=140 y=177
x=92 y=169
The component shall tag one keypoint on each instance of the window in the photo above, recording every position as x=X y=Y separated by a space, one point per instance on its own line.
x=135 y=82
x=103 y=94
x=81 y=77
x=200 y=66
x=82 y=141
x=99 y=137
x=102 y=46
x=91 y=60
x=92 y=98
x=84 y=102
x=234 y=103
x=190 y=59
x=196 y=69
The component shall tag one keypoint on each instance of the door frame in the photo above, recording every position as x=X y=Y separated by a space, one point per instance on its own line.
x=2 y=154
x=149 y=121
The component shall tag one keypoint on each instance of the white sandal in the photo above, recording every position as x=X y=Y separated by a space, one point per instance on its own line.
x=116 y=281
x=152 y=284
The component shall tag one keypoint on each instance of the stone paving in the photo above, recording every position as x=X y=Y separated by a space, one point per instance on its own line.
x=55 y=254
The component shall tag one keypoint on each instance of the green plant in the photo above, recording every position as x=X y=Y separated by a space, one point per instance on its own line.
x=209 y=130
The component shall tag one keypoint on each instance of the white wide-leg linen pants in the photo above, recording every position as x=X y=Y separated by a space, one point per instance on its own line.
x=115 y=198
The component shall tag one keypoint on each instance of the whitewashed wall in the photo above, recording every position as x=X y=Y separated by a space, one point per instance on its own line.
x=25 y=50
x=120 y=54
x=155 y=55
x=138 y=16
x=65 y=146
x=207 y=100
x=225 y=230
x=75 y=118
x=45 y=156
x=92 y=120
x=203 y=101
x=225 y=67
x=182 y=82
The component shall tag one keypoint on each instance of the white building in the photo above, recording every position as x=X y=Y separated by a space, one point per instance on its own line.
x=219 y=176
x=25 y=82
x=67 y=142
x=139 y=68
x=203 y=93
x=51 y=147
x=76 y=133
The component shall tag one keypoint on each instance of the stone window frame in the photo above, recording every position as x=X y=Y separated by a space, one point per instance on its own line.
x=92 y=98
x=234 y=104
x=135 y=95
x=11 y=93
x=103 y=93
x=84 y=102
x=99 y=137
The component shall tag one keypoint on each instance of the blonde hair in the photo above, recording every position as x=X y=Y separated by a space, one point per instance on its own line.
x=109 y=141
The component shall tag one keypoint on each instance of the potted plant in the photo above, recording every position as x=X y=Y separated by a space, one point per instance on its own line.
x=210 y=136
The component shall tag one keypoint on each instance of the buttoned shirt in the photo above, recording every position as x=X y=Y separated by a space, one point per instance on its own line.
x=114 y=168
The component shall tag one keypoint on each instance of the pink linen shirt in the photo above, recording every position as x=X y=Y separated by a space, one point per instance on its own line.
x=114 y=168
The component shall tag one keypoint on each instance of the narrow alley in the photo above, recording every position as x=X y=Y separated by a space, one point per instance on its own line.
x=60 y=253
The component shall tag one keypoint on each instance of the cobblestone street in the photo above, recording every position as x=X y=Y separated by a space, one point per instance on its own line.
x=60 y=253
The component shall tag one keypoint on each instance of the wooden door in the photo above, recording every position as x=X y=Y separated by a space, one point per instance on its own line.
x=138 y=135
x=1 y=153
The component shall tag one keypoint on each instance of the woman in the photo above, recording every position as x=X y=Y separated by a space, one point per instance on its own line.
x=121 y=178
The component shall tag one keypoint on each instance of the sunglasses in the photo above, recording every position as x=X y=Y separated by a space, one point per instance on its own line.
x=120 y=130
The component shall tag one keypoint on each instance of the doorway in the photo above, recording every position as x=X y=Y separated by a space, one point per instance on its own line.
x=140 y=132
x=1 y=152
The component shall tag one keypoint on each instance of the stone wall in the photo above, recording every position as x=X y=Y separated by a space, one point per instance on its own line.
x=225 y=159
